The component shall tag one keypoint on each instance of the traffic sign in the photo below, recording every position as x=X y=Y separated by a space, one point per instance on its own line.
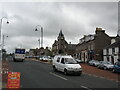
x=13 y=80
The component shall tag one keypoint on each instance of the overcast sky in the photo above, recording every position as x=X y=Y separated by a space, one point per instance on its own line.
x=74 y=18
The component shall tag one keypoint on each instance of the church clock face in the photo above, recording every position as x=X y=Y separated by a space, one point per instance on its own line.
x=62 y=38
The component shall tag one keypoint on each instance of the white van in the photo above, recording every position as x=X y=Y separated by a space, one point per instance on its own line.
x=66 y=64
x=19 y=54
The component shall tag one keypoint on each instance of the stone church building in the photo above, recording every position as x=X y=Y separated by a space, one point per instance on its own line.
x=61 y=46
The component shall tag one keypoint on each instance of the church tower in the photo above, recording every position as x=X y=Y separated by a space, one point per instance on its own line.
x=62 y=43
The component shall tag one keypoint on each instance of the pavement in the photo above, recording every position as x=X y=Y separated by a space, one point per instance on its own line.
x=91 y=70
x=4 y=72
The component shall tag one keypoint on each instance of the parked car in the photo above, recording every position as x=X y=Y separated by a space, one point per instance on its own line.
x=26 y=56
x=116 y=67
x=66 y=64
x=105 y=65
x=43 y=58
x=79 y=61
x=93 y=62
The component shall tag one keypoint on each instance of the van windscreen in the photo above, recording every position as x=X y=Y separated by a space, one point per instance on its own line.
x=20 y=51
x=70 y=61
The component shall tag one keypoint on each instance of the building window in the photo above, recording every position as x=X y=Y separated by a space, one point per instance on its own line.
x=65 y=46
x=113 y=50
x=108 y=59
x=119 y=50
x=80 y=56
x=107 y=52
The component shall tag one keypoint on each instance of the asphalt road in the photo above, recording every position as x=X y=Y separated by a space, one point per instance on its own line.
x=40 y=75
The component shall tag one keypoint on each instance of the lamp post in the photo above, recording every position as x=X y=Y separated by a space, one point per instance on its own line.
x=40 y=28
x=3 y=41
x=1 y=44
x=41 y=31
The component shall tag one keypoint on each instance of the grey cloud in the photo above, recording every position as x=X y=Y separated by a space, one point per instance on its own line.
x=53 y=16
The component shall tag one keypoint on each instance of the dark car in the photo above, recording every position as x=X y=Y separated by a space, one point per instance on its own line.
x=116 y=67
x=105 y=65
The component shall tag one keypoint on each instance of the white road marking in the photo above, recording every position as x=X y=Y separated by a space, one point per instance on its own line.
x=85 y=87
x=58 y=76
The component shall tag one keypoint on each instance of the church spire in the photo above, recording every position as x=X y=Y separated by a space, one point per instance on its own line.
x=61 y=35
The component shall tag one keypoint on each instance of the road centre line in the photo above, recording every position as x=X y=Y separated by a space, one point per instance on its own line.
x=85 y=87
x=58 y=76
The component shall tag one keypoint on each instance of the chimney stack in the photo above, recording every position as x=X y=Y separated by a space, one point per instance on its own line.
x=99 y=30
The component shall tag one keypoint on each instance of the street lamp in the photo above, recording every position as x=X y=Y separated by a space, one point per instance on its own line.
x=1 y=44
x=40 y=28
x=41 y=31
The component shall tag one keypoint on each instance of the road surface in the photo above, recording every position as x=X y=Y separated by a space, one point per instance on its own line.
x=40 y=75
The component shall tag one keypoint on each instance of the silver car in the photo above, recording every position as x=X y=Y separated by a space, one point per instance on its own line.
x=94 y=63
x=79 y=61
x=105 y=65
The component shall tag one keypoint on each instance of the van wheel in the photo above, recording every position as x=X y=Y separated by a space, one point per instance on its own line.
x=65 y=72
x=54 y=69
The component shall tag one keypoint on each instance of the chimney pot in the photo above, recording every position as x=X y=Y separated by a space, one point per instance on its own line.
x=98 y=29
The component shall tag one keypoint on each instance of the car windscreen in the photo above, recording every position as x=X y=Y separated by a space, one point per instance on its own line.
x=92 y=61
x=70 y=61
x=97 y=61
x=107 y=63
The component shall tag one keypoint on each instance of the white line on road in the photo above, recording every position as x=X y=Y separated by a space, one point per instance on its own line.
x=85 y=87
x=58 y=76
